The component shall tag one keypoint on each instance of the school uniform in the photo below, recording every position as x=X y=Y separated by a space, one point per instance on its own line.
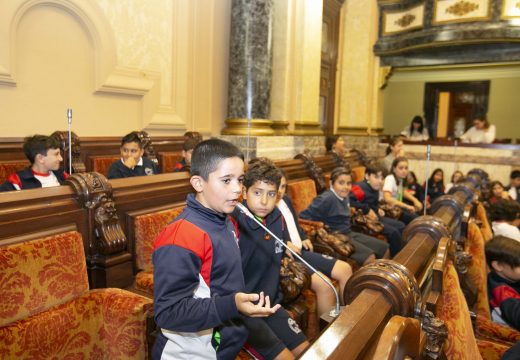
x=144 y=167
x=334 y=211
x=261 y=261
x=29 y=179
x=197 y=273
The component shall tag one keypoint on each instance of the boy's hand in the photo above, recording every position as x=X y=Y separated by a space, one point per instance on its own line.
x=381 y=212
x=130 y=162
x=291 y=246
x=245 y=305
x=371 y=214
x=417 y=204
x=307 y=245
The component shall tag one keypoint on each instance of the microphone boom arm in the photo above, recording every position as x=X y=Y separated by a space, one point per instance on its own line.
x=334 y=312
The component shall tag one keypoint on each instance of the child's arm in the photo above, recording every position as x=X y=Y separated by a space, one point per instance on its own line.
x=416 y=203
x=387 y=196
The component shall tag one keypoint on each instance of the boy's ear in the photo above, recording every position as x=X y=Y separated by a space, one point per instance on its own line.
x=496 y=266
x=38 y=158
x=197 y=182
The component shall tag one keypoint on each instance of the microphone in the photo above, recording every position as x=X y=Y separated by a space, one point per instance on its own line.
x=69 y=121
x=428 y=153
x=245 y=211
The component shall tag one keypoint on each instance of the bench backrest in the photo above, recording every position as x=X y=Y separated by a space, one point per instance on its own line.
x=301 y=193
x=8 y=167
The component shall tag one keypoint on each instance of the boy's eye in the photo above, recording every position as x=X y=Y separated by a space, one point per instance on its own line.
x=257 y=193
x=272 y=194
x=226 y=181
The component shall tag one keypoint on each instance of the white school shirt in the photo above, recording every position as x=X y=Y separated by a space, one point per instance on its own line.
x=475 y=136
x=504 y=229
x=291 y=223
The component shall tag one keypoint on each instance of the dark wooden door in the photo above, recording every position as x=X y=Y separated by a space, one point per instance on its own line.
x=329 y=59
x=468 y=100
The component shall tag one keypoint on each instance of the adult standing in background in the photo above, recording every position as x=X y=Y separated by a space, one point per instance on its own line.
x=481 y=132
x=416 y=131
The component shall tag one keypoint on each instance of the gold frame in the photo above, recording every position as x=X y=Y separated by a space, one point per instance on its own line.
x=461 y=20
x=505 y=17
x=384 y=32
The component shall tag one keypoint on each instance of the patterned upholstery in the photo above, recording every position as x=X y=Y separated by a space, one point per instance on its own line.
x=461 y=343
x=9 y=167
x=146 y=228
x=490 y=350
x=301 y=193
x=481 y=216
x=358 y=173
x=477 y=270
x=490 y=330
x=101 y=164
x=47 y=311
x=168 y=161
x=144 y=282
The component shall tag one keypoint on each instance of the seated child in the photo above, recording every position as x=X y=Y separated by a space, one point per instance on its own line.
x=44 y=154
x=365 y=196
x=413 y=188
x=514 y=185
x=187 y=150
x=132 y=162
x=497 y=192
x=456 y=177
x=198 y=280
x=503 y=258
x=332 y=207
x=277 y=336
x=394 y=192
x=435 y=185
x=298 y=242
x=505 y=218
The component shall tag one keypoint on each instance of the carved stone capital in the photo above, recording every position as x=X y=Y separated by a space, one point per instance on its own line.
x=427 y=224
x=95 y=194
x=313 y=170
x=392 y=279
x=436 y=334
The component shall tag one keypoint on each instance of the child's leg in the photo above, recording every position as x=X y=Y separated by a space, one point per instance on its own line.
x=341 y=272
x=380 y=248
x=363 y=254
x=325 y=296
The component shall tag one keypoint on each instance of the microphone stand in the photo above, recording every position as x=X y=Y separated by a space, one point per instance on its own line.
x=245 y=211
x=428 y=153
x=69 y=120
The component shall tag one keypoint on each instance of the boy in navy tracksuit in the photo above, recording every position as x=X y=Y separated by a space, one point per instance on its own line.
x=278 y=335
x=198 y=280
x=132 y=162
x=365 y=196
x=503 y=258
x=44 y=154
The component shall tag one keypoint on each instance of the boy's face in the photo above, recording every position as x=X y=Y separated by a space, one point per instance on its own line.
x=224 y=185
x=375 y=180
x=515 y=182
x=187 y=156
x=132 y=150
x=506 y=271
x=261 y=198
x=282 y=188
x=342 y=185
x=51 y=161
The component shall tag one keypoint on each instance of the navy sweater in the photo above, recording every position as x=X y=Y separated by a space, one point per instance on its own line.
x=505 y=295
x=330 y=210
x=261 y=254
x=119 y=170
x=26 y=180
x=364 y=197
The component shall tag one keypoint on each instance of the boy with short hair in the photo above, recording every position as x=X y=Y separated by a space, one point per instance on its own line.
x=44 y=154
x=503 y=258
x=187 y=151
x=198 y=280
x=514 y=185
x=505 y=218
x=277 y=336
x=365 y=195
x=132 y=162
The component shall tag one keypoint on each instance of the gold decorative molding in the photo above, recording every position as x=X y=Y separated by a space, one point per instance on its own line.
x=280 y=127
x=405 y=20
x=245 y=127
x=385 y=72
x=307 y=128
x=462 y=8
x=352 y=130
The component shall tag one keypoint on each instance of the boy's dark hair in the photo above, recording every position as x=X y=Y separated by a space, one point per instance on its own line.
x=514 y=174
x=330 y=141
x=193 y=135
x=190 y=143
x=39 y=144
x=260 y=170
x=505 y=210
x=132 y=137
x=208 y=154
x=374 y=169
x=337 y=172
x=504 y=250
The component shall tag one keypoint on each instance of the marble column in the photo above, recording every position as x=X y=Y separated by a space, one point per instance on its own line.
x=250 y=68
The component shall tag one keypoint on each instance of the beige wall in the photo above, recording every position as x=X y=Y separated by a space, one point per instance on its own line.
x=160 y=65
x=404 y=95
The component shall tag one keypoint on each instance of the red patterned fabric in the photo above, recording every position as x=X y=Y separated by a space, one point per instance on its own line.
x=101 y=164
x=9 y=167
x=146 y=229
x=490 y=350
x=477 y=269
x=496 y=332
x=47 y=311
x=453 y=310
x=301 y=193
x=39 y=274
x=144 y=282
x=167 y=161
